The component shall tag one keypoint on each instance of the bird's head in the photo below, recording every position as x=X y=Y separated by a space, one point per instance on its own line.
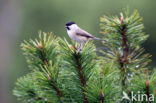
x=70 y=25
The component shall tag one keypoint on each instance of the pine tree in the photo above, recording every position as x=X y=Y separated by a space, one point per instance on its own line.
x=61 y=74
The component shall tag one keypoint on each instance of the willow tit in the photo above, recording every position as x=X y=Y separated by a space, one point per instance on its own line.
x=79 y=35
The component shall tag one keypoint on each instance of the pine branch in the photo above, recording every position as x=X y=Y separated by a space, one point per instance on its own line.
x=123 y=60
x=41 y=54
x=51 y=81
x=104 y=86
x=53 y=85
x=123 y=31
x=82 y=78
x=80 y=65
x=28 y=92
x=124 y=36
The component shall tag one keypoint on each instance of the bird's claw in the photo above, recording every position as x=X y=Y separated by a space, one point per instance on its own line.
x=79 y=50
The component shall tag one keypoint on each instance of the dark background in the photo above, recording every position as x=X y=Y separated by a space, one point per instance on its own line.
x=22 y=19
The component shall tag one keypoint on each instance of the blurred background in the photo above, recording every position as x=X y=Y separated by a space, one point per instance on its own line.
x=22 y=19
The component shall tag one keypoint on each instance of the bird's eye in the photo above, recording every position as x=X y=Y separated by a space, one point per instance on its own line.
x=68 y=27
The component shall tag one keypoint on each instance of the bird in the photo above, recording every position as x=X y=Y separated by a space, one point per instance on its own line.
x=79 y=35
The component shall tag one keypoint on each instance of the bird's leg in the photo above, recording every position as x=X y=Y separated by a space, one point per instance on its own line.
x=80 y=47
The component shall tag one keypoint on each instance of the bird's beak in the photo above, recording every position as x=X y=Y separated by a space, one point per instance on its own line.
x=65 y=26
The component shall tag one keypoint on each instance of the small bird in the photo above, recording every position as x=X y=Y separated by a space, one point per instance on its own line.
x=79 y=35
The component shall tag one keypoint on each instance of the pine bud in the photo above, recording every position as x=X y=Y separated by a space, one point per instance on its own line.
x=121 y=19
x=39 y=46
x=147 y=83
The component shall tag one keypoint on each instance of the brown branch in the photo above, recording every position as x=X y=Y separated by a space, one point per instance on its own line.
x=57 y=90
x=123 y=31
x=101 y=97
x=81 y=76
x=124 y=58
x=147 y=89
x=42 y=56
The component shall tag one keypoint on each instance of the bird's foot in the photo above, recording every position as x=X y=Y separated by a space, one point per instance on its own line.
x=79 y=50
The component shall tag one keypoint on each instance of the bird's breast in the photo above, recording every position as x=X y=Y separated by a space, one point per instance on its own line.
x=72 y=34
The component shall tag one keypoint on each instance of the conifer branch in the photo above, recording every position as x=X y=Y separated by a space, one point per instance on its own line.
x=80 y=65
x=123 y=59
x=124 y=37
x=28 y=91
x=123 y=31
x=40 y=55
x=52 y=83
x=82 y=78
x=43 y=56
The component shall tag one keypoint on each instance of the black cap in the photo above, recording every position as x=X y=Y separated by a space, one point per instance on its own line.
x=70 y=23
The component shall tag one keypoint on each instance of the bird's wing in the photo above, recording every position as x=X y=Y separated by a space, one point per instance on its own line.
x=81 y=32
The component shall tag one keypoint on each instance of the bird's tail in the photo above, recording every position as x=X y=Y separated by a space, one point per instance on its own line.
x=95 y=38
